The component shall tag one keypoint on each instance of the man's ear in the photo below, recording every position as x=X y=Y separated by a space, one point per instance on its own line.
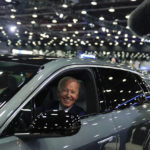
x=139 y=20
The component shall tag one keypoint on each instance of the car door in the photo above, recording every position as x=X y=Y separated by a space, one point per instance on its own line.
x=97 y=130
x=125 y=98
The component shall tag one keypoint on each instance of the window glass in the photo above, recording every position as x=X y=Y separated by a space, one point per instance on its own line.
x=12 y=77
x=120 y=89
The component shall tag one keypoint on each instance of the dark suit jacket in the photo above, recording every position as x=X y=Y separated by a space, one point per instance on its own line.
x=75 y=109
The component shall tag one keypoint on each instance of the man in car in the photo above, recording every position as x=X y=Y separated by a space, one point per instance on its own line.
x=68 y=91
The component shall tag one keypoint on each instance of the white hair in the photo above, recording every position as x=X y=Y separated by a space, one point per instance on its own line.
x=63 y=80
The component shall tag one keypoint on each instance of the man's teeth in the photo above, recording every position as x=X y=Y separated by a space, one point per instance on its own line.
x=67 y=99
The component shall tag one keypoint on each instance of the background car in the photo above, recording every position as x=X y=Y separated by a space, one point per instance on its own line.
x=116 y=100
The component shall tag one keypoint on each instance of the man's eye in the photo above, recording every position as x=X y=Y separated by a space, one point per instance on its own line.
x=64 y=90
x=72 y=92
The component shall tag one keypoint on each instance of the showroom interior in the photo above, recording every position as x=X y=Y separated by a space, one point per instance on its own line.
x=75 y=74
x=42 y=29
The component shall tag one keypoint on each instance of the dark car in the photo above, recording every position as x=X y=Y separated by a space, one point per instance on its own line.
x=115 y=99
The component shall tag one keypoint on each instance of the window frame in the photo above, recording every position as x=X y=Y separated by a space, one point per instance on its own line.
x=99 y=89
x=34 y=93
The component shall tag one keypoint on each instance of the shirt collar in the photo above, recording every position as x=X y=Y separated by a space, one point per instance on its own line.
x=66 y=110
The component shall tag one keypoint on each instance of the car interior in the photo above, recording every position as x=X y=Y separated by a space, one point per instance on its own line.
x=87 y=98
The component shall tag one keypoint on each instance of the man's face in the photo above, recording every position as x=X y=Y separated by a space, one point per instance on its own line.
x=69 y=93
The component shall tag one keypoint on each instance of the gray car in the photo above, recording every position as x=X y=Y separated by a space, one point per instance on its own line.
x=115 y=99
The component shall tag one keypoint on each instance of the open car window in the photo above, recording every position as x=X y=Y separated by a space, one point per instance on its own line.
x=87 y=98
x=12 y=77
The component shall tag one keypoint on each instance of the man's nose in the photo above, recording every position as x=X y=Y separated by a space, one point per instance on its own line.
x=68 y=93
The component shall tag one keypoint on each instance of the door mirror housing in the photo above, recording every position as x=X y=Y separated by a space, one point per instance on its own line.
x=55 y=122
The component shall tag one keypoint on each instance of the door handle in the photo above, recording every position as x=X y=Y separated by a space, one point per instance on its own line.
x=109 y=139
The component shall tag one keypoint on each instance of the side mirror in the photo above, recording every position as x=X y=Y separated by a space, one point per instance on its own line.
x=56 y=122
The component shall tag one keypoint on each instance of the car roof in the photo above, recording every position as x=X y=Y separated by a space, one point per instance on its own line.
x=62 y=62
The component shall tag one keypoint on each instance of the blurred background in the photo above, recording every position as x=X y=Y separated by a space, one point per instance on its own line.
x=69 y=28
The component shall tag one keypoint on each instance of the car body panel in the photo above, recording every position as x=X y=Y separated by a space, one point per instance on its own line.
x=129 y=122
x=13 y=143
x=95 y=136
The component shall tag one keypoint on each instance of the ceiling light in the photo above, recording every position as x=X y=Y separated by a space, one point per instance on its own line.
x=126 y=39
x=127 y=16
x=61 y=15
x=126 y=35
x=129 y=45
x=101 y=18
x=12 y=16
x=64 y=5
x=12 y=28
x=19 y=23
x=88 y=34
x=34 y=15
x=8 y=1
x=133 y=41
x=26 y=32
x=49 y=26
x=94 y=3
x=31 y=33
x=96 y=32
x=116 y=43
x=83 y=12
x=107 y=30
x=33 y=22
x=110 y=78
x=13 y=10
x=64 y=29
x=75 y=20
x=134 y=36
x=116 y=37
x=76 y=32
x=115 y=23
x=54 y=21
x=69 y=25
x=83 y=43
x=111 y=10
x=103 y=29
x=119 y=32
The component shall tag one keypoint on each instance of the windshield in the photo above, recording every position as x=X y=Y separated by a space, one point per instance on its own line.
x=12 y=77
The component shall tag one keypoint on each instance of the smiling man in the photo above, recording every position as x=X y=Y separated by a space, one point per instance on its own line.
x=68 y=91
